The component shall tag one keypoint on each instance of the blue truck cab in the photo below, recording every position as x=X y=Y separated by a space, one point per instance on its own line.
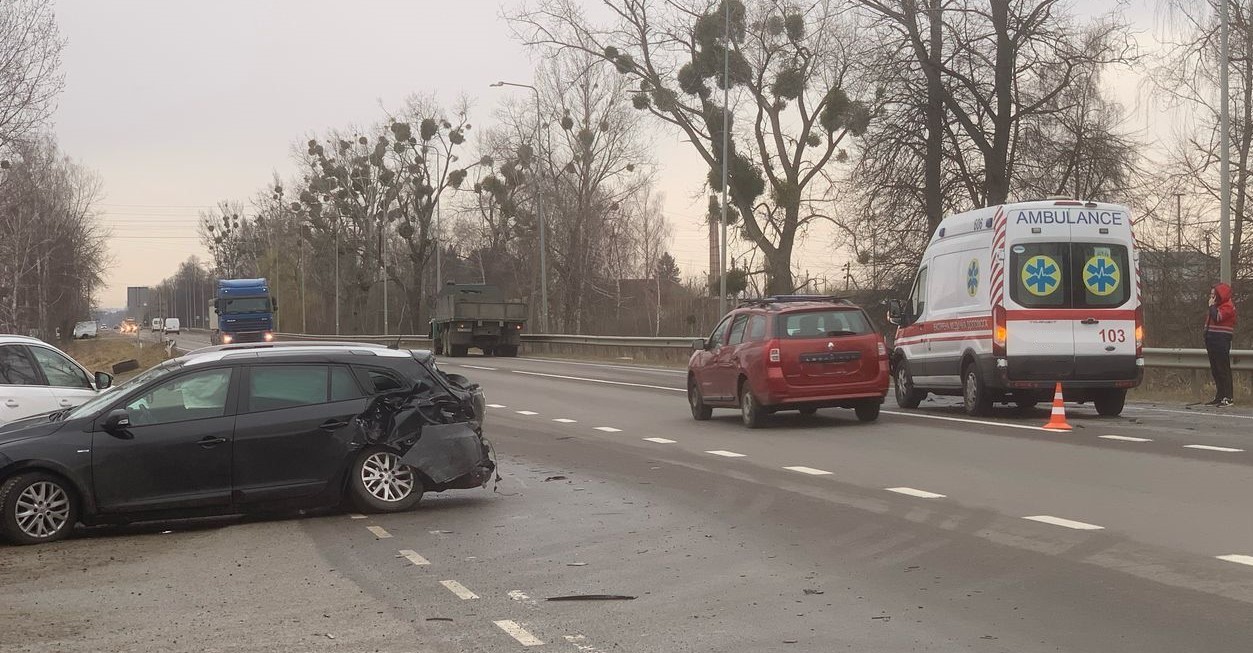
x=242 y=311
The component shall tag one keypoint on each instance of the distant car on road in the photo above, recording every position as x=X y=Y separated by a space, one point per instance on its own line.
x=37 y=378
x=171 y=325
x=157 y=323
x=88 y=329
x=789 y=352
x=246 y=428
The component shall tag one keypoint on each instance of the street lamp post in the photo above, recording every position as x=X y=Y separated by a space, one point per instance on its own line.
x=539 y=210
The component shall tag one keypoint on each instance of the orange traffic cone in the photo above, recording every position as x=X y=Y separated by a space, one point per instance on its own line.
x=1058 y=421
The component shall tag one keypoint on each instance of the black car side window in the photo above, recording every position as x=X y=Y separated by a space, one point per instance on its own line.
x=344 y=386
x=199 y=395
x=379 y=381
x=16 y=368
x=274 y=387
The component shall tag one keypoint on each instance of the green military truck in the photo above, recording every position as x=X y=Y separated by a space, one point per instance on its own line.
x=476 y=315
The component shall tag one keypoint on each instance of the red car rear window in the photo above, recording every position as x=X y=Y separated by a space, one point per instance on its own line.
x=829 y=323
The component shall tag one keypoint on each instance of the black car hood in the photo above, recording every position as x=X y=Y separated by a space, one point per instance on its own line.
x=36 y=426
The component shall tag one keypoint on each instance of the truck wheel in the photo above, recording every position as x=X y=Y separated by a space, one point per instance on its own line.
x=458 y=351
x=437 y=346
x=488 y=351
x=508 y=351
x=1109 y=403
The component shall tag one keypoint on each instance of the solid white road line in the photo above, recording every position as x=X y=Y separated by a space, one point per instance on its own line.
x=630 y=368
x=519 y=633
x=479 y=367
x=378 y=531
x=808 y=470
x=564 y=420
x=459 y=589
x=526 y=412
x=1239 y=559
x=660 y=440
x=1125 y=438
x=354 y=515
x=728 y=454
x=922 y=494
x=1191 y=412
x=1207 y=447
x=414 y=557
x=583 y=378
x=497 y=406
x=964 y=421
x=608 y=429
x=1058 y=521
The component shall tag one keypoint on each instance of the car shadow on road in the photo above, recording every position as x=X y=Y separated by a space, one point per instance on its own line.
x=794 y=421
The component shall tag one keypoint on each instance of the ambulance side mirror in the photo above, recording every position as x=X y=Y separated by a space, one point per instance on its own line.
x=898 y=313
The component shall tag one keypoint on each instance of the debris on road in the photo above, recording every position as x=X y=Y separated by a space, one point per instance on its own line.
x=439 y=618
x=592 y=597
x=809 y=591
x=555 y=478
x=576 y=564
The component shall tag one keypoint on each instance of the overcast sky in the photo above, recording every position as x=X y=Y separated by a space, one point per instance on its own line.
x=180 y=104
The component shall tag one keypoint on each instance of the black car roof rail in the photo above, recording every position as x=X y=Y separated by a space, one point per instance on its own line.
x=784 y=299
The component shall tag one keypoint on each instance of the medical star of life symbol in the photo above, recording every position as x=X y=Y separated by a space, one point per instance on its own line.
x=1101 y=275
x=1040 y=275
x=972 y=277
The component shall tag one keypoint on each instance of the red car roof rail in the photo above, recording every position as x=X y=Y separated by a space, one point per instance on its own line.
x=785 y=299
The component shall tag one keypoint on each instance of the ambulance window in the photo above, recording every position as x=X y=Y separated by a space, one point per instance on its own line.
x=1101 y=275
x=1037 y=274
x=919 y=298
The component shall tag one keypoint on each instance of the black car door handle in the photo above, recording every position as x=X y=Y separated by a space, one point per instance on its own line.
x=333 y=424
x=211 y=441
x=1091 y=320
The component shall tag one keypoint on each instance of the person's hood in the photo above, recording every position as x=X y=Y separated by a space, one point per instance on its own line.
x=1224 y=293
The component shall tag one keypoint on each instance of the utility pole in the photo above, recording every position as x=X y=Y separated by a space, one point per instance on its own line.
x=726 y=157
x=1224 y=162
x=539 y=207
x=1178 y=222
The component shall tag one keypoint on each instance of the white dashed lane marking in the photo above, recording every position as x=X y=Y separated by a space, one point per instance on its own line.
x=922 y=494
x=526 y=412
x=460 y=590
x=660 y=440
x=1207 y=447
x=497 y=406
x=1125 y=438
x=1238 y=559
x=1067 y=523
x=354 y=515
x=807 y=470
x=727 y=454
x=378 y=531
x=565 y=420
x=414 y=557
x=608 y=429
x=519 y=633
x=479 y=367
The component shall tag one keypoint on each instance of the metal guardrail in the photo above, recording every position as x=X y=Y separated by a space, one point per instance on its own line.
x=1192 y=359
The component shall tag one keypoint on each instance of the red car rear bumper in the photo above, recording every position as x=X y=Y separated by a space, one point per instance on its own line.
x=774 y=390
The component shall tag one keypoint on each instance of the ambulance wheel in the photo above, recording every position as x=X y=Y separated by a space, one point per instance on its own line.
x=1109 y=403
x=975 y=396
x=907 y=396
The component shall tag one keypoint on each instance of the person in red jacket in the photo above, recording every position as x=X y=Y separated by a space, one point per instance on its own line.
x=1220 y=325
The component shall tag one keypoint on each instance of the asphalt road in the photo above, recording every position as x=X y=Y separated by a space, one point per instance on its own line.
x=923 y=532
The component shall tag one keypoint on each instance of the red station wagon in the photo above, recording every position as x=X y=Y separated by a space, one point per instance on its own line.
x=789 y=352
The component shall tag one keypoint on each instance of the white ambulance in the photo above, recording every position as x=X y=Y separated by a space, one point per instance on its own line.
x=1010 y=300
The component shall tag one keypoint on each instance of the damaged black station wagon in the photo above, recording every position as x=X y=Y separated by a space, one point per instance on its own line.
x=246 y=428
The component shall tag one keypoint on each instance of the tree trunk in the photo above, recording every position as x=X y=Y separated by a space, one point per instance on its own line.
x=934 y=191
x=996 y=160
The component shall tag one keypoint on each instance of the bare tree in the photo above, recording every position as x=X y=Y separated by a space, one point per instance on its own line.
x=790 y=67
x=30 y=67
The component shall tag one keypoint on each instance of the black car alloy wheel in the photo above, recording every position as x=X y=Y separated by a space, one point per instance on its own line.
x=37 y=508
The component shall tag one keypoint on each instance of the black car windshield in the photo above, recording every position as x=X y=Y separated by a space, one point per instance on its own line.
x=105 y=397
x=245 y=305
